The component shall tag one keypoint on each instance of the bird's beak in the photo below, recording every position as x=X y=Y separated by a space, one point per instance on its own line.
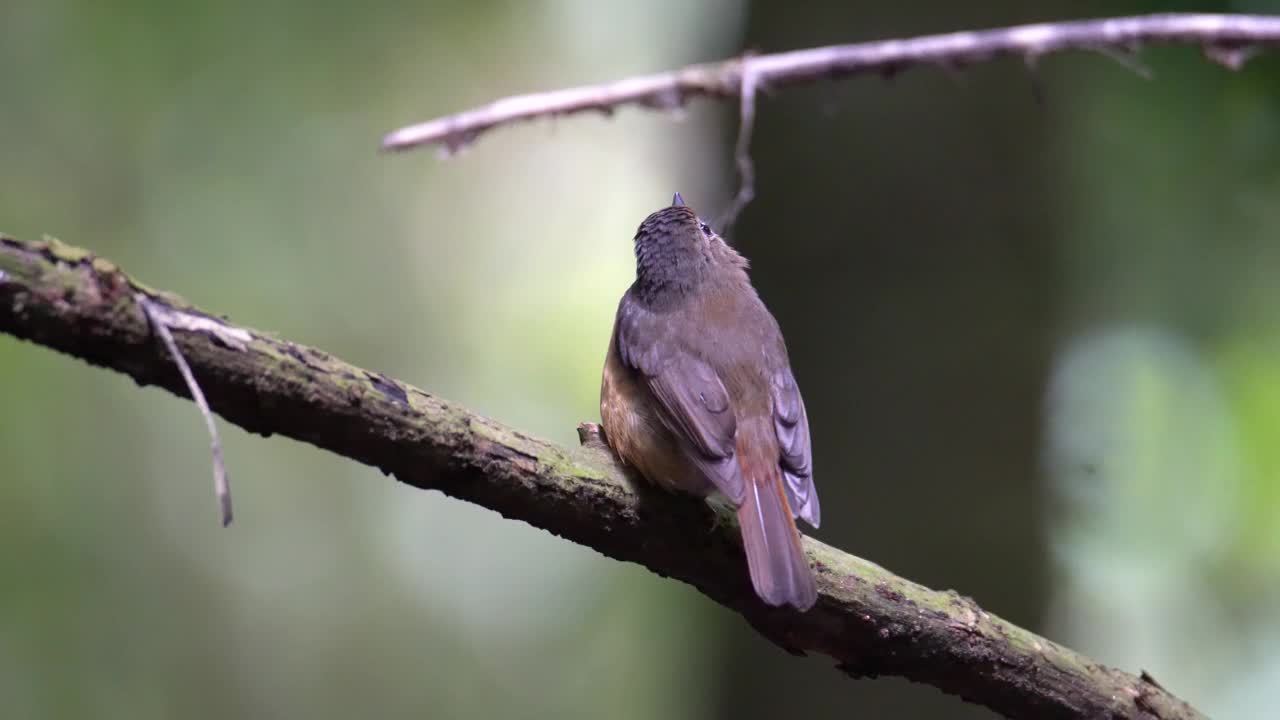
x=677 y=201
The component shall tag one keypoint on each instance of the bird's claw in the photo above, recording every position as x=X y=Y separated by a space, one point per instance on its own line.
x=723 y=513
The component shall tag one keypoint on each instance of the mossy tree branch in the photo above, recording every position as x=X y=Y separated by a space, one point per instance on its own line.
x=869 y=620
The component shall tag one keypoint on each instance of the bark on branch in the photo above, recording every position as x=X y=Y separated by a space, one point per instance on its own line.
x=869 y=620
x=1228 y=40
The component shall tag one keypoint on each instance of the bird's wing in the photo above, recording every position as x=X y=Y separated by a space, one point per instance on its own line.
x=791 y=423
x=691 y=396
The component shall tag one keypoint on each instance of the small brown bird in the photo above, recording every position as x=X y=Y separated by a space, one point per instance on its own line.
x=698 y=395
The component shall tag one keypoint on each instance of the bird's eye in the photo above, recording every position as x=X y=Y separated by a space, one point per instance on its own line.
x=705 y=228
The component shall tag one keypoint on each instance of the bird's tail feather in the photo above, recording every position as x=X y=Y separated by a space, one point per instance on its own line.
x=779 y=569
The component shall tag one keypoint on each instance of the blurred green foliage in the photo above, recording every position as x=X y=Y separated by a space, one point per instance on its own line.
x=1164 y=408
x=1038 y=345
x=229 y=152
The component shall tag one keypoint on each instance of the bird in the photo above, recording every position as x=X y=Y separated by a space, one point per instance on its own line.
x=698 y=396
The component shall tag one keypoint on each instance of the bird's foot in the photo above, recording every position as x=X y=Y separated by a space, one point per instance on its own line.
x=723 y=512
x=590 y=433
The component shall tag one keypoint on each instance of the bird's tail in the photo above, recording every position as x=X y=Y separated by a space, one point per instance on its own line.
x=779 y=569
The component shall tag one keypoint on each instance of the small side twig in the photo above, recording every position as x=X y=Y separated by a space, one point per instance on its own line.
x=742 y=148
x=1127 y=57
x=161 y=319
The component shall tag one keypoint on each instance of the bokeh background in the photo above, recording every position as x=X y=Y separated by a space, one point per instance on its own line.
x=1038 y=340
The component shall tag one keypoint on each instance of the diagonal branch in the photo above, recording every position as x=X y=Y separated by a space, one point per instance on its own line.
x=1225 y=39
x=870 y=621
